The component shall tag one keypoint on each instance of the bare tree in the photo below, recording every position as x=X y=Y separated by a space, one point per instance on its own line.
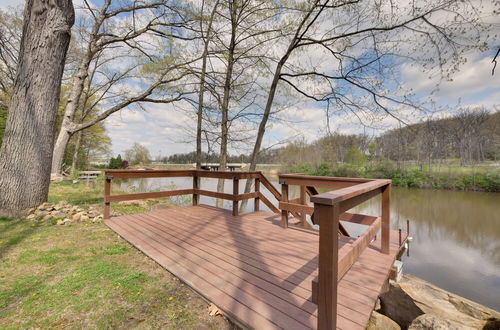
x=26 y=152
x=108 y=43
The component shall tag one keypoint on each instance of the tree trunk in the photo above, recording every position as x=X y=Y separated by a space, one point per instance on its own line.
x=59 y=150
x=74 y=161
x=26 y=153
x=202 y=88
x=225 y=105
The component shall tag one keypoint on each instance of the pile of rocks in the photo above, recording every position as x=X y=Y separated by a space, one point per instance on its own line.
x=416 y=304
x=64 y=213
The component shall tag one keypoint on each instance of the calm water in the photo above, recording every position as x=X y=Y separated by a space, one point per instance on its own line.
x=456 y=235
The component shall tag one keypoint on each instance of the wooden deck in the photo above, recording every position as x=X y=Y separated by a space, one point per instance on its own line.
x=252 y=268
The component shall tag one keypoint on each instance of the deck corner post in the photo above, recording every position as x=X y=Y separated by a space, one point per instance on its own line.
x=236 y=191
x=328 y=217
x=107 y=193
x=196 y=186
x=256 y=203
x=386 y=217
x=284 y=198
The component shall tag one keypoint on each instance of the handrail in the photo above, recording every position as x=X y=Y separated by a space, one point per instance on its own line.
x=329 y=208
x=235 y=197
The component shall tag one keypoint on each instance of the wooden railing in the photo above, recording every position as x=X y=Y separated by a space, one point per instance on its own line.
x=235 y=197
x=329 y=209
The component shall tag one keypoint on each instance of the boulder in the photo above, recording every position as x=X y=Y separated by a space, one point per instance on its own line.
x=84 y=218
x=399 y=306
x=381 y=322
x=438 y=302
x=434 y=322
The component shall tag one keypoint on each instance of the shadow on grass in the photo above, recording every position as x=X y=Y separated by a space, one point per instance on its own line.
x=15 y=238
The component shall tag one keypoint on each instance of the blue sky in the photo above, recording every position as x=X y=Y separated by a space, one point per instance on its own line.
x=162 y=128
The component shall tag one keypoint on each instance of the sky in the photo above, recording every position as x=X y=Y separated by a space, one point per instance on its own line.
x=162 y=127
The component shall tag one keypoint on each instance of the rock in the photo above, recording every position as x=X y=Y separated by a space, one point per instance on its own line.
x=77 y=216
x=47 y=217
x=31 y=217
x=433 y=322
x=59 y=215
x=141 y=203
x=75 y=181
x=56 y=178
x=448 y=306
x=84 y=218
x=399 y=306
x=381 y=322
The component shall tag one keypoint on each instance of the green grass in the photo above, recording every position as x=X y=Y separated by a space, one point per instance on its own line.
x=85 y=276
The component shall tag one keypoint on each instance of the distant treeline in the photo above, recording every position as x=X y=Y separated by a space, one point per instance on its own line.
x=470 y=136
x=190 y=157
x=437 y=154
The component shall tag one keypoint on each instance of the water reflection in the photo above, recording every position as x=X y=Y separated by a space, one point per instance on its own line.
x=456 y=234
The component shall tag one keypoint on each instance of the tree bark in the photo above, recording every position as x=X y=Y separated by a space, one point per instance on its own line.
x=225 y=102
x=74 y=161
x=202 y=87
x=26 y=153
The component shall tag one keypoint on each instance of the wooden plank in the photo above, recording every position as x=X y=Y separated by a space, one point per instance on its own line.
x=270 y=187
x=127 y=174
x=356 y=200
x=333 y=197
x=361 y=219
x=214 y=194
x=290 y=207
x=154 y=194
x=268 y=203
x=246 y=196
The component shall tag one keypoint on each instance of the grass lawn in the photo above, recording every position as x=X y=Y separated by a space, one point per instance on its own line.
x=85 y=276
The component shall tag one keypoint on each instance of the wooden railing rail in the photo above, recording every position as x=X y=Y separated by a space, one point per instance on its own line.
x=235 y=196
x=329 y=208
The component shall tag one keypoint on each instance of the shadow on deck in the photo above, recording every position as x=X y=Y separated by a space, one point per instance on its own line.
x=257 y=272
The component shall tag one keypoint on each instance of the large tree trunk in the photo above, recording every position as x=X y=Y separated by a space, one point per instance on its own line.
x=26 y=153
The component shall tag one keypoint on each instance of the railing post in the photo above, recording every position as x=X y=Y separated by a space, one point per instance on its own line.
x=386 y=217
x=284 y=197
x=302 y=201
x=256 y=202
x=328 y=218
x=236 y=189
x=107 y=193
x=196 y=185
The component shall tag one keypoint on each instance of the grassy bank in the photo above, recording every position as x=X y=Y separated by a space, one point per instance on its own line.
x=85 y=276
x=482 y=178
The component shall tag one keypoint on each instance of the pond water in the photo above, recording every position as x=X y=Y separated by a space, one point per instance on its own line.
x=456 y=235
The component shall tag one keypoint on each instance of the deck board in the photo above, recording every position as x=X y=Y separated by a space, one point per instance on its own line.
x=254 y=270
